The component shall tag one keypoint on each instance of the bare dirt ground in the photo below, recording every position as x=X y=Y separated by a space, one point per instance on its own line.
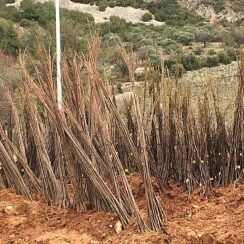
x=216 y=219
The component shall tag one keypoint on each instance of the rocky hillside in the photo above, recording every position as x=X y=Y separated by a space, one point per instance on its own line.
x=216 y=10
x=224 y=79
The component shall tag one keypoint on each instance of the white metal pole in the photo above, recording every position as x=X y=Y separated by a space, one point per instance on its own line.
x=58 y=50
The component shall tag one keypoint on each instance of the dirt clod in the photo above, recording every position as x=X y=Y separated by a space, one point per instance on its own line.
x=8 y=209
x=118 y=227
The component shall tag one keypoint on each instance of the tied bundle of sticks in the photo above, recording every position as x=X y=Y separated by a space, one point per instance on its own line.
x=79 y=157
x=78 y=146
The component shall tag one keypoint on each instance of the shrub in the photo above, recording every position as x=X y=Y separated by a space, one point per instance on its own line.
x=112 y=4
x=8 y=37
x=172 y=47
x=170 y=62
x=30 y=10
x=25 y=23
x=167 y=42
x=116 y=25
x=202 y=61
x=198 y=51
x=102 y=6
x=190 y=62
x=212 y=61
x=231 y=52
x=140 y=77
x=224 y=58
x=211 y=52
x=185 y=39
x=146 y=17
x=174 y=67
x=9 y=1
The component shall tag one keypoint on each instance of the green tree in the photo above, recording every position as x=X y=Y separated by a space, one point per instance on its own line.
x=204 y=36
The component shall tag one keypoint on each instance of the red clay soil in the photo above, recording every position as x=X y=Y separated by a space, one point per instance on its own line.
x=216 y=219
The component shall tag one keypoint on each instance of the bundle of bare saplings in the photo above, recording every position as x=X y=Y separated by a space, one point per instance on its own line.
x=79 y=157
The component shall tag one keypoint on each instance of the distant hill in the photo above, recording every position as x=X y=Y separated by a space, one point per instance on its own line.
x=164 y=10
x=211 y=10
x=216 y=10
x=192 y=33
